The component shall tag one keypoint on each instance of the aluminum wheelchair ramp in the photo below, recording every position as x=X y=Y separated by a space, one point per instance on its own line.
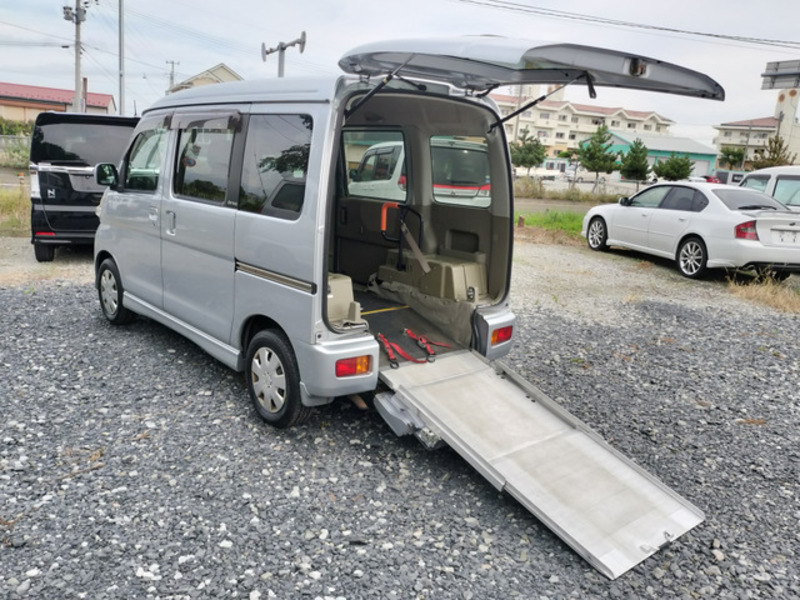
x=609 y=510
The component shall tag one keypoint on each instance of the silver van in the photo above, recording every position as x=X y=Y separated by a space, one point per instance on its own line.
x=232 y=220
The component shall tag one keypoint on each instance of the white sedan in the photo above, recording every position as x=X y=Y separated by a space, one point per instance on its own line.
x=701 y=226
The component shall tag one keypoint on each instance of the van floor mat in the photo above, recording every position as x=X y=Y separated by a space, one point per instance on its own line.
x=393 y=319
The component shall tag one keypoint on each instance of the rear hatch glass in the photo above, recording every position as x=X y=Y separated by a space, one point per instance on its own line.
x=65 y=147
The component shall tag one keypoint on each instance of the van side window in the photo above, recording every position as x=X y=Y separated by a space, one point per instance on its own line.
x=787 y=189
x=275 y=165
x=204 y=155
x=144 y=161
x=756 y=182
x=376 y=166
x=460 y=171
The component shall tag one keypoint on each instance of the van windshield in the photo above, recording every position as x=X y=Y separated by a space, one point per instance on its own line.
x=80 y=141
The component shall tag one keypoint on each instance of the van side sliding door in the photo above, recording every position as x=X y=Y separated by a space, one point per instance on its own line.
x=197 y=223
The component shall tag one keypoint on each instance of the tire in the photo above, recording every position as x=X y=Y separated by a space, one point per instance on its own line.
x=692 y=258
x=109 y=290
x=597 y=234
x=273 y=380
x=44 y=252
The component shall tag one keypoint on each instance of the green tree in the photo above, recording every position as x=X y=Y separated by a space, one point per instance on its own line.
x=733 y=157
x=595 y=154
x=527 y=152
x=634 y=163
x=674 y=168
x=774 y=155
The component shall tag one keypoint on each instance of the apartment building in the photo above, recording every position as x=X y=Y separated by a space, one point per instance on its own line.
x=752 y=134
x=562 y=125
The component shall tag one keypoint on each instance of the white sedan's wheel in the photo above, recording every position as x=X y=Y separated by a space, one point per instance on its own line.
x=692 y=257
x=596 y=235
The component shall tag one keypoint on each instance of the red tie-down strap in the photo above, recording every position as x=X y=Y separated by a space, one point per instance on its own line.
x=392 y=350
x=425 y=343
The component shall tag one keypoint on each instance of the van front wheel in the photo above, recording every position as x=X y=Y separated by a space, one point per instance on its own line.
x=273 y=380
x=109 y=288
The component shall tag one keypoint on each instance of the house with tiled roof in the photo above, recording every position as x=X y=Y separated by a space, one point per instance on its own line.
x=23 y=102
x=220 y=73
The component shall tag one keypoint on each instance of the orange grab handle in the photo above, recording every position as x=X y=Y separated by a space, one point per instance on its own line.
x=384 y=208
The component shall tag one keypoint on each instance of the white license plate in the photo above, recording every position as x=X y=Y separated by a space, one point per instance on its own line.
x=785 y=238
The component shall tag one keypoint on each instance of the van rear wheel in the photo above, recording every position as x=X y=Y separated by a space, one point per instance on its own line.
x=44 y=252
x=273 y=380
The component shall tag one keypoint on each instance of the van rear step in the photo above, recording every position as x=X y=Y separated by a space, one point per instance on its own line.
x=608 y=509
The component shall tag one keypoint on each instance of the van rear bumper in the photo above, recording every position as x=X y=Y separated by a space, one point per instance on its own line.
x=317 y=363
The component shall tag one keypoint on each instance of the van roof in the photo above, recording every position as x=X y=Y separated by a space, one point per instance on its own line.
x=290 y=89
x=782 y=170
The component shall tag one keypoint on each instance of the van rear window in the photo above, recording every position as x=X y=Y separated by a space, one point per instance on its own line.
x=80 y=141
x=275 y=165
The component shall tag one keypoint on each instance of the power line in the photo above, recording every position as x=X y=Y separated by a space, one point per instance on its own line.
x=559 y=14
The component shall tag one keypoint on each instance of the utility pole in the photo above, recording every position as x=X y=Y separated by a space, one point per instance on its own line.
x=281 y=49
x=172 y=64
x=77 y=16
x=121 y=58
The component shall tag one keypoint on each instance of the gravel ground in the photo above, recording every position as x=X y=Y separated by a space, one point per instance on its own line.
x=133 y=466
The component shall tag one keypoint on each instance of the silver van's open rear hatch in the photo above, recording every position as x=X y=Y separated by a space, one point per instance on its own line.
x=482 y=63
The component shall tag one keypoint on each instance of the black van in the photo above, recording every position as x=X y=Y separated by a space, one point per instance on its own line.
x=65 y=147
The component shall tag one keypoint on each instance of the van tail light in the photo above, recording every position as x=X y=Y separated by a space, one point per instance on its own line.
x=358 y=365
x=746 y=231
x=401 y=182
x=44 y=234
x=502 y=335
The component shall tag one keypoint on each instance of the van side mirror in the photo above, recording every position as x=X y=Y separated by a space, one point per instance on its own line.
x=106 y=174
x=354 y=175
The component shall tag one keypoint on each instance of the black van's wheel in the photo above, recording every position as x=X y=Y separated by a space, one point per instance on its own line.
x=109 y=289
x=273 y=380
x=44 y=252
x=692 y=257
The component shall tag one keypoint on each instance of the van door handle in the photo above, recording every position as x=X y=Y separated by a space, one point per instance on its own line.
x=153 y=216
x=171 y=219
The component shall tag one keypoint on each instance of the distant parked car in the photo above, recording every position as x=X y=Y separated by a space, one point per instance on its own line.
x=711 y=179
x=701 y=226
x=782 y=183
x=65 y=147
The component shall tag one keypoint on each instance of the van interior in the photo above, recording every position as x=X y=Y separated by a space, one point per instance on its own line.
x=420 y=240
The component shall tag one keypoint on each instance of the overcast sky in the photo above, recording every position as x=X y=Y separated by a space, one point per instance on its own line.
x=198 y=34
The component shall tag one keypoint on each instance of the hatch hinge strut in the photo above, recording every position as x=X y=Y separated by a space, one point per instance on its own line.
x=382 y=84
x=584 y=75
